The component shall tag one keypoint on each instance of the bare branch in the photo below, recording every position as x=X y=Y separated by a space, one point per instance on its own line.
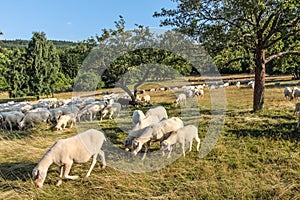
x=281 y=54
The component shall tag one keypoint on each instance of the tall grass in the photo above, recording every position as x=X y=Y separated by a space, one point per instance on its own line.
x=256 y=157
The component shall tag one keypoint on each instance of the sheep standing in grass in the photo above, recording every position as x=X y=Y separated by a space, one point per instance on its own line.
x=296 y=93
x=158 y=111
x=112 y=109
x=181 y=99
x=185 y=134
x=155 y=132
x=138 y=129
x=64 y=120
x=77 y=149
x=288 y=93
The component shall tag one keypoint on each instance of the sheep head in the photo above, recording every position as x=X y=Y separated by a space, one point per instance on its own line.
x=39 y=177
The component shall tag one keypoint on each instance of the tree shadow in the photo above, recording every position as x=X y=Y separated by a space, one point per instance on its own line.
x=280 y=131
x=16 y=171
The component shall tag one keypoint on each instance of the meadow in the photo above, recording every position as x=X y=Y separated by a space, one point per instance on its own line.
x=256 y=157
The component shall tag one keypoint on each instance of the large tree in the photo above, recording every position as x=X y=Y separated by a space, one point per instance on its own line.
x=44 y=65
x=251 y=27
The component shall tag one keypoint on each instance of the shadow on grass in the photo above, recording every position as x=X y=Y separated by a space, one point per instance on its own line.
x=16 y=171
x=285 y=131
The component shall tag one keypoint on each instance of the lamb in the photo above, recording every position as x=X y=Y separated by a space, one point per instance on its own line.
x=64 y=120
x=155 y=132
x=138 y=129
x=111 y=110
x=158 y=111
x=182 y=135
x=76 y=149
x=288 y=93
x=181 y=99
x=32 y=118
x=137 y=116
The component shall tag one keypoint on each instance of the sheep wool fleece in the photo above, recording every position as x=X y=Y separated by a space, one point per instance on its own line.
x=92 y=139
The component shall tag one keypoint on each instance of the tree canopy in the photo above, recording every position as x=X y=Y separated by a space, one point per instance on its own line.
x=250 y=30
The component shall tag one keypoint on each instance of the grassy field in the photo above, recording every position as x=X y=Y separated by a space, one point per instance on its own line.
x=256 y=157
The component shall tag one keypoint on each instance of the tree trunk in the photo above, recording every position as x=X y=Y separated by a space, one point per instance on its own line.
x=259 y=84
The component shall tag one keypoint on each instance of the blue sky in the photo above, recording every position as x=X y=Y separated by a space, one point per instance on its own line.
x=74 y=20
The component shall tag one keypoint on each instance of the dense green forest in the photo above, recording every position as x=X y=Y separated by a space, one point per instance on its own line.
x=19 y=43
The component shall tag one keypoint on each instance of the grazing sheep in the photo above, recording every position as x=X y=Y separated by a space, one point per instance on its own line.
x=137 y=116
x=138 y=129
x=64 y=120
x=90 y=110
x=288 y=93
x=155 y=132
x=238 y=84
x=199 y=92
x=32 y=118
x=111 y=110
x=181 y=99
x=12 y=119
x=296 y=93
x=158 y=111
x=251 y=84
x=146 y=99
x=77 y=149
x=55 y=114
x=181 y=136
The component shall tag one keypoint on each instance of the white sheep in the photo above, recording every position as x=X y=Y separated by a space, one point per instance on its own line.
x=158 y=111
x=155 y=132
x=138 y=129
x=115 y=108
x=12 y=119
x=146 y=99
x=32 y=118
x=251 y=84
x=296 y=93
x=288 y=93
x=183 y=135
x=76 y=149
x=181 y=99
x=137 y=116
x=238 y=84
x=64 y=120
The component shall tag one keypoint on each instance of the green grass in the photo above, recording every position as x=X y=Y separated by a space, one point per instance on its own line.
x=256 y=157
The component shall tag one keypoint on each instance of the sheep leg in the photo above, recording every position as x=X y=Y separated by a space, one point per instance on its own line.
x=59 y=182
x=111 y=114
x=101 y=158
x=169 y=154
x=183 y=148
x=67 y=171
x=191 y=144
x=146 y=149
x=92 y=166
x=198 y=143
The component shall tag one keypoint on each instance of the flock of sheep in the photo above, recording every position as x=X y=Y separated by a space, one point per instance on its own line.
x=293 y=93
x=153 y=126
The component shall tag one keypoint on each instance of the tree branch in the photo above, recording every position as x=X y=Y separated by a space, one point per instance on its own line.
x=281 y=54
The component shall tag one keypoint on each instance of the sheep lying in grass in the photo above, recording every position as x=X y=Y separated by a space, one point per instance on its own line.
x=181 y=136
x=64 y=120
x=77 y=149
x=155 y=132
